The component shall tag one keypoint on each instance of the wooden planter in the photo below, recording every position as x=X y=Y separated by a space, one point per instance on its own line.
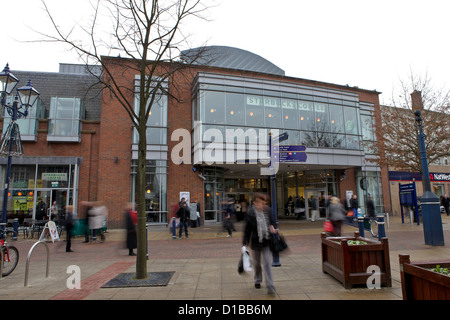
x=419 y=283
x=349 y=263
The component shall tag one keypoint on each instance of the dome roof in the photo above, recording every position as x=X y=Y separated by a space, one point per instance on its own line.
x=229 y=57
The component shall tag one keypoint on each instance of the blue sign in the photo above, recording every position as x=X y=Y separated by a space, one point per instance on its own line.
x=282 y=137
x=289 y=153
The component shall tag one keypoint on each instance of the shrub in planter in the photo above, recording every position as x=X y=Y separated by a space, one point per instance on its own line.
x=348 y=258
x=424 y=280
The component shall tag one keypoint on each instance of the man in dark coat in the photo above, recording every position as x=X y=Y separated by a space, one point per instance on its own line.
x=183 y=214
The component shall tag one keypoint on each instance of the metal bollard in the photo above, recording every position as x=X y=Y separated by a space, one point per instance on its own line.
x=381 y=229
x=361 y=226
x=174 y=229
x=15 y=228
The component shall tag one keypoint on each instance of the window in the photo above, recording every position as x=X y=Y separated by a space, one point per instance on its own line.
x=64 y=119
x=157 y=121
x=27 y=126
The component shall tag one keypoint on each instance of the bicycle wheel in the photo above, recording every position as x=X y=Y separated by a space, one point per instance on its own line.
x=11 y=255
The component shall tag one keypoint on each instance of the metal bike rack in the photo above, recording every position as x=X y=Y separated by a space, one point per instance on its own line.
x=27 y=269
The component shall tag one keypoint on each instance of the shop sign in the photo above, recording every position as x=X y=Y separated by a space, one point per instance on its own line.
x=440 y=176
x=53 y=176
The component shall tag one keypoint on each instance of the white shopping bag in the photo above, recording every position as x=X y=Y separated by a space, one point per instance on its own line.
x=247 y=262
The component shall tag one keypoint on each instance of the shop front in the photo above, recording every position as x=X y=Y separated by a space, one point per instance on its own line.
x=41 y=188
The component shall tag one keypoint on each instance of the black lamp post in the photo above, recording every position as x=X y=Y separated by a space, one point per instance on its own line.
x=431 y=212
x=25 y=98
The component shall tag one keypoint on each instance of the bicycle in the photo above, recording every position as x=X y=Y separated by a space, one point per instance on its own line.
x=10 y=255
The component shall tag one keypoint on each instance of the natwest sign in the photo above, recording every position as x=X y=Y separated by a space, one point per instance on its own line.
x=439 y=176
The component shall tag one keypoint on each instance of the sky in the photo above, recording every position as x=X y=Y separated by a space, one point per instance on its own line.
x=369 y=44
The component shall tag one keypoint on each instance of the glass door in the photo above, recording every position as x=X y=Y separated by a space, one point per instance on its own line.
x=316 y=207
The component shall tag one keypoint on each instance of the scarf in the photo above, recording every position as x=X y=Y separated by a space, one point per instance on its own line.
x=263 y=230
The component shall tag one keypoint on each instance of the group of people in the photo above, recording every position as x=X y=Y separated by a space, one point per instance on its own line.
x=96 y=217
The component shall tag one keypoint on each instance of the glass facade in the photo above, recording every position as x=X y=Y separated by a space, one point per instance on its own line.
x=156 y=166
x=313 y=121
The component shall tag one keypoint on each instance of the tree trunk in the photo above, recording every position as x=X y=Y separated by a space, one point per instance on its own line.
x=141 y=257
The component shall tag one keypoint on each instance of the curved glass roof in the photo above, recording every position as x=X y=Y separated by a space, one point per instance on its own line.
x=231 y=58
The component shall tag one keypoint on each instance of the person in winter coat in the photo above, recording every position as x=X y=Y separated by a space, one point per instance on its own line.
x=68 y=223
x=131 y=222
x=259 y=226
x=336 y=214
x=183 y=214
x=97 y=217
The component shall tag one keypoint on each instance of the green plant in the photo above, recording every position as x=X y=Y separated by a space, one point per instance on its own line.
x=355 y=242
x=440 y=270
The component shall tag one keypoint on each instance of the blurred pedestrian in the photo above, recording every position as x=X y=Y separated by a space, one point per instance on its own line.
x=336 y=214
x=370 y=207
x=97 y=219
x=183 y=214
x=446 y=203
x=259 y=226
x=68 y=223
x=131 y=222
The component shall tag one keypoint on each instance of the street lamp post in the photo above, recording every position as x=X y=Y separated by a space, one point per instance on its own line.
x=431 y=212
x=24 y=99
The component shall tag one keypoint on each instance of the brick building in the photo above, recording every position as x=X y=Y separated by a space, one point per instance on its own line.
x=241 y=95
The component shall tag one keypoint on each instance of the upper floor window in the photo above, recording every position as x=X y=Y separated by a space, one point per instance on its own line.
x=64 y=119
x=27 y=126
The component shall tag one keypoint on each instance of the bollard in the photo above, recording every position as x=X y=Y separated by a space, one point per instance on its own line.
x=15 y=228
x=361 y=226
x=174 y=229
x=381 y=229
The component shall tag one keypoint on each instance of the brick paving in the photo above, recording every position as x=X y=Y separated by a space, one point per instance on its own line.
x=205 y=266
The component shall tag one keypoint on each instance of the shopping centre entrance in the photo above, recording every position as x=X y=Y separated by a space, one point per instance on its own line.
x=299 y=193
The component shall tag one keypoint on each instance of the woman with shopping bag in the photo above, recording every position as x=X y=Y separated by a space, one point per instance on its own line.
x=257 y=234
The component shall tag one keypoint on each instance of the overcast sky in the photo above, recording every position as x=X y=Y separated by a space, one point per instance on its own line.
x=369 y=44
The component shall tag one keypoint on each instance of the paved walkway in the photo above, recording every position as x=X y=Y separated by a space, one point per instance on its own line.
x=205 y=266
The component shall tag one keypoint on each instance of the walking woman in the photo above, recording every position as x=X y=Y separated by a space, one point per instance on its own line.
x=257 y=232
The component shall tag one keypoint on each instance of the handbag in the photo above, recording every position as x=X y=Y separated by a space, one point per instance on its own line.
x=277 y=243
x=328 y=226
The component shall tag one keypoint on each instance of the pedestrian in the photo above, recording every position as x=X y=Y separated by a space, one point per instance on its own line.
x=97 y=219
x=68 y=223
x=228 y=210
x=53 y=211
x=183 y=214
x=87 y=206
x=370 y=207
x=41 y=209
x=257 y=233
x=131 y=222
x=336 y=214
x=446 y=203
x=354 y=205
x=314 y=208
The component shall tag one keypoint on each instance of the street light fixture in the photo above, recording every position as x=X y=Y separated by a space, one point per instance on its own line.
x=25 y=98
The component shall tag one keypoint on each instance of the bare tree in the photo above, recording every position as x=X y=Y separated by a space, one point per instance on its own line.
x=149 y=34
x=399 y=128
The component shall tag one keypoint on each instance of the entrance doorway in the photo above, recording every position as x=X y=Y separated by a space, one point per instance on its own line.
x=55 y=203
x=316 y=204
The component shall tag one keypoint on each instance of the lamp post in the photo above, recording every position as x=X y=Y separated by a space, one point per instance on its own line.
x=431 y=212
x=25 y=98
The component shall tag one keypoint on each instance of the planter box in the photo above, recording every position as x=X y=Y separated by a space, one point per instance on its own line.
x=349 y=263
x=419 y=283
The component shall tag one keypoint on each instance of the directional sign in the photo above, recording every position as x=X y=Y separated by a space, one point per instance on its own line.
x=282 y=137
x=292 y=156
x=292 y=148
